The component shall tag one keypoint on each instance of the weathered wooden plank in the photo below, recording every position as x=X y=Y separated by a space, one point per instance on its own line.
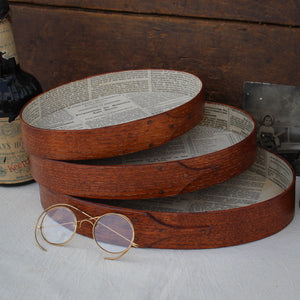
x=269 y=11
x=61 y=45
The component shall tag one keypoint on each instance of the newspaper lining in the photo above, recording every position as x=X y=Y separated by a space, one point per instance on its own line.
x=268 y=177
x=111 y=99
x=126 y=96
x=222 y=127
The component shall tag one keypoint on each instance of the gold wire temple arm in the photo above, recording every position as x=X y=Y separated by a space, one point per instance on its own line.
x=124 y=252
x=35 y=231
x=117 y=233
x=68 y=205
x=116 y=257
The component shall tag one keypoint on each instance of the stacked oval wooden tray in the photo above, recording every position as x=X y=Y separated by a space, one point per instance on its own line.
x=144 y=143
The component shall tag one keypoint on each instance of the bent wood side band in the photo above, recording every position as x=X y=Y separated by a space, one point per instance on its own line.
x=144 y=181
x=159 y=179
x=113 y=140
x=193 y=230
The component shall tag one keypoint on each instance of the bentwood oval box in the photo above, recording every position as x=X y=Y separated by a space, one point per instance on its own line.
x=112 y=114
x=255 y=204
x=186 y=172
x=220 y=147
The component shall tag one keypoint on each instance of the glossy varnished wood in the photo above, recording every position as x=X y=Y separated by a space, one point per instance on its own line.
x=141 y=181
x=193 y=230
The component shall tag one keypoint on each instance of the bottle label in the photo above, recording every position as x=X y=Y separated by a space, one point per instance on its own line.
x=14 y=161
x=7 y=42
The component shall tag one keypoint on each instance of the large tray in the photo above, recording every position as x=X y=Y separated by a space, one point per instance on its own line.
x=112 y=114
x=222 y=146
x=251 y=206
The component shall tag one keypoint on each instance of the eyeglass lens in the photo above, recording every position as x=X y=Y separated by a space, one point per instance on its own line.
x=113 y=233
x=59 y=225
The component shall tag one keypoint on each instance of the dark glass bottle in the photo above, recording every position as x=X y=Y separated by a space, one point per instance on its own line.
x=16 y=88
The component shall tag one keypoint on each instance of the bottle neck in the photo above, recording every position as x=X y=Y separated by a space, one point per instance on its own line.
x=7 y=42
x=16 y=86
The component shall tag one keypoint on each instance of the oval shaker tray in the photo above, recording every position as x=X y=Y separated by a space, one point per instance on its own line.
x=222 y=146
x=112 y=114
x=254 y=205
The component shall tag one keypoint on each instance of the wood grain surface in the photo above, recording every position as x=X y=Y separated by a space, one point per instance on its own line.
x=147 y=180
x=211 y=229
x=119 y=139
x=268 y=11
x=224 y=43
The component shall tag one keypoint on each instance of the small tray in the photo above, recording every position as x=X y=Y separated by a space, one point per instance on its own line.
x=112 y=114
x=222 y=146
x=254 y=205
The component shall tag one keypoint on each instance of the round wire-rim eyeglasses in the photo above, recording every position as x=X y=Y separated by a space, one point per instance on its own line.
x=112 y=232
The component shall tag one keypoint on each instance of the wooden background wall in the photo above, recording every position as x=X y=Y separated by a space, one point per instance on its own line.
x=224 y=42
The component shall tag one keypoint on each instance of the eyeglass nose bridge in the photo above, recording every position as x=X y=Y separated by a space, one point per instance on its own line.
x=85 y=220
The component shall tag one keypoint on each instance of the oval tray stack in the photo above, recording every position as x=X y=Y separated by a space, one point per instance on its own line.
x=145 y=143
